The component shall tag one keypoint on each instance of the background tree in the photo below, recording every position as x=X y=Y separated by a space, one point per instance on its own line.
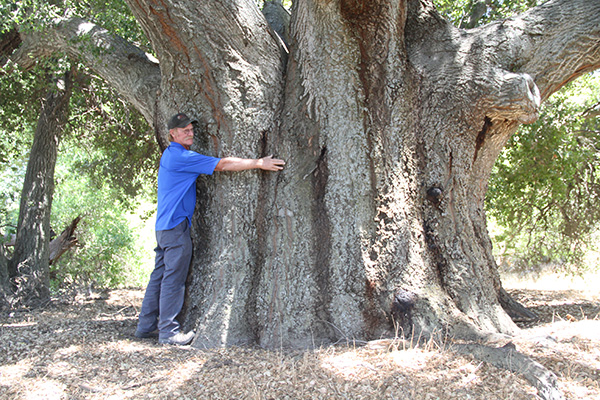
x=390 y=119
x=29 y=264
x=126 y=152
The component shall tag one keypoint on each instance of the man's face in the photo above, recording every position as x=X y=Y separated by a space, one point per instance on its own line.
x=183 y=136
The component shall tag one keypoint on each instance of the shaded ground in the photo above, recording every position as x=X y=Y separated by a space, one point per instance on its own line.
x=84 y=350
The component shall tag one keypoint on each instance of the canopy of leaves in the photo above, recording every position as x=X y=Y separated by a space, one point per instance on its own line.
x=545 y=190
x=100 y=119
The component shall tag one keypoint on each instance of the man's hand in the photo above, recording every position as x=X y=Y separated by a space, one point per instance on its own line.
x=271 y=164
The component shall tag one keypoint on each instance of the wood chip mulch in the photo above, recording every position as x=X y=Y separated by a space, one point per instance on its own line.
x=84 y=349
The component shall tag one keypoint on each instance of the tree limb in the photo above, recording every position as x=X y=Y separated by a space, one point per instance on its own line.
x=554 y=43
x=222 y=51
x=509 y=67
x=126 y=67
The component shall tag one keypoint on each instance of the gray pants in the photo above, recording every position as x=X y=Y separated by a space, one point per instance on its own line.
x=164 y=295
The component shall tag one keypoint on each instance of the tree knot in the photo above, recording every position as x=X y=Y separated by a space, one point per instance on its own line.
x=401 y=310
x=434 y=195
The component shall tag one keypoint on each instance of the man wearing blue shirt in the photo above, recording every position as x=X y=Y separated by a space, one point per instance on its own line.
x=177 y=174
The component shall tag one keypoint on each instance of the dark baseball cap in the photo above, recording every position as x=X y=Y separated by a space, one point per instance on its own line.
x=180 y=121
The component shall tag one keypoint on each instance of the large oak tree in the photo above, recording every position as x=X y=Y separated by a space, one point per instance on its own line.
x=389 y=118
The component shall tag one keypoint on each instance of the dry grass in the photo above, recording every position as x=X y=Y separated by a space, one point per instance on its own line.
x=84 y=350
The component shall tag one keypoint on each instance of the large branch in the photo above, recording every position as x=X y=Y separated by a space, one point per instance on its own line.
x=554 y=43
x=63 y=242
x=507 y=68
x=124 y=66
x=223 y=52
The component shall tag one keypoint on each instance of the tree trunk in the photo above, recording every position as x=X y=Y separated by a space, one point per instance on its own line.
x=5 y=287
x=391 y=122
x=29 y=265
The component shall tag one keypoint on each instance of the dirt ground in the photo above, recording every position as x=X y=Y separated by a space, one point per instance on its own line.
x=84 y=349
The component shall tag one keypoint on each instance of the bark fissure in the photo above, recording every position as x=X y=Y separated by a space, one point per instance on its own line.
x=260 y=247
x=481 y=136
x=322 y=246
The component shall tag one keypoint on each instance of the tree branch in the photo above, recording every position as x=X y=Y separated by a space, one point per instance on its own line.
x=508 y=67
x=63 y=242
x=222 y=51
x=554 y=43
x=127 y=68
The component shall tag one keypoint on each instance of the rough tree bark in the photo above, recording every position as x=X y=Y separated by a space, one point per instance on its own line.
x=390 y=120
x=29 y=264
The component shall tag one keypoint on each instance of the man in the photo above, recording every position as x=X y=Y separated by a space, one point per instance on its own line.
x=177 y=174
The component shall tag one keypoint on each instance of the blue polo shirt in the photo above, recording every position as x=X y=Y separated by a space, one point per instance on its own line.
x=177 y=174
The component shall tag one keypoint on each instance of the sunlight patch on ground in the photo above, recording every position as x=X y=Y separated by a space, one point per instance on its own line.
x=68 y=351
x=349 y=365
x=181 y=374
x=555 y=281
x=569 y=331
x=354 y=365
x=12 y=372
x=413 y=359
x=23 y=376
x=45 y=389
x=128 y=346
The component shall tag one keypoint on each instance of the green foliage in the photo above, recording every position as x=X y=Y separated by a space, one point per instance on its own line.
x=127 y=158
x=287 y=4
x=113 y=15
x=18 y=112
x=28 y=14
x=107 y=158
x=109 y=252
x=545 y=189
x=472 y=13
x=12 y=183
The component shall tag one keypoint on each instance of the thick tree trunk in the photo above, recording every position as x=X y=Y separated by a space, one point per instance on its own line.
x=237 y=81
x=391 y=124
x=28 y=267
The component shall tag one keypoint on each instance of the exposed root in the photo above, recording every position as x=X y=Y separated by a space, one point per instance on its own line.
x=516 y=311
x=507 y=357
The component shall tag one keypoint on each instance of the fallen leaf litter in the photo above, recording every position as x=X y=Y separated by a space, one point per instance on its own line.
x=84 y=349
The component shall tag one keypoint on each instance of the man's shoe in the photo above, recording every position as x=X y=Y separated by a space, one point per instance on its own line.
x=179 y=339
x=145 y=335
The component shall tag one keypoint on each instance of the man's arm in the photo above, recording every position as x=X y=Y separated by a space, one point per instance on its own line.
x=241 y=164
